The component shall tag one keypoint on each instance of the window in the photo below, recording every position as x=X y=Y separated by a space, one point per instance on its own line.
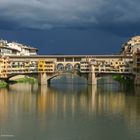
x=68 y=59
x=77 y=59
x=60 y=59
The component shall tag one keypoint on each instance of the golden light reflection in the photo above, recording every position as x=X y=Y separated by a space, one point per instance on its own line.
x=54 y=103
x=3 y=104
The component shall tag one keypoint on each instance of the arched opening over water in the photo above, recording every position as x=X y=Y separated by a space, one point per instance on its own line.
x=14 y=78
x=67 y=78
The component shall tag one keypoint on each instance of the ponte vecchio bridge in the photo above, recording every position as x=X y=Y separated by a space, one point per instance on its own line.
x=49 y=66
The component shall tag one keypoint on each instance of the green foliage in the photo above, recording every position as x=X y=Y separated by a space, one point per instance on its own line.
x=3 y=84
x=26 y=80
x=123 y=79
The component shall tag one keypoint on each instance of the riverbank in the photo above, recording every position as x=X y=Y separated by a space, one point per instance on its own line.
x=26 y=80
x=19 y=80
x=3 y=84
x=123 y=79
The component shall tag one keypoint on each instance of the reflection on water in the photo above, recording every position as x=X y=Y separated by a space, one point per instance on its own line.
x=70 y=112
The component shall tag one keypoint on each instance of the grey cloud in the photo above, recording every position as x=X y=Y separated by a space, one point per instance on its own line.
x=46 y=14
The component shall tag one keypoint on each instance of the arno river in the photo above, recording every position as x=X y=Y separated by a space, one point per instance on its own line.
x=69 y=111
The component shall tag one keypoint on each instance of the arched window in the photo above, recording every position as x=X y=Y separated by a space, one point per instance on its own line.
x=60 y=67
x=69 y=67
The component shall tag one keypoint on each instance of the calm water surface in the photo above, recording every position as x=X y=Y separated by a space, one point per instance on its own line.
x=70 y=112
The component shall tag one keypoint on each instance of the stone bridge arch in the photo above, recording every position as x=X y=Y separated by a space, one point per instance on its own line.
x=50 y=77
x=35 y=75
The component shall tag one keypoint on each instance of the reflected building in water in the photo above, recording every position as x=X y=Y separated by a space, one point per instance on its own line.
x=81 y=100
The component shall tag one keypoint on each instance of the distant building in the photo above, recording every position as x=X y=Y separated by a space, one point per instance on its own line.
x=13 y=48
x=136 y=62
x=131 y=46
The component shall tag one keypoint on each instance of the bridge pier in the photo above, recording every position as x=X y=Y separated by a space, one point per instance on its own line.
x=42 y=79
x=137 y=79
x=92 y=79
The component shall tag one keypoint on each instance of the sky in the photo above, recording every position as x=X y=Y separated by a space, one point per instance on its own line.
x=70 y=26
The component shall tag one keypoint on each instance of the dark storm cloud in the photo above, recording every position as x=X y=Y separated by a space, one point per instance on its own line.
x=46 y=14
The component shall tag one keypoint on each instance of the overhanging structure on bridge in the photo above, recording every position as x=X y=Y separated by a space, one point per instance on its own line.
x=89 y=66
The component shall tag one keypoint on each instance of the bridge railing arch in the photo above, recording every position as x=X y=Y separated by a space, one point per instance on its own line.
x=60 y=67
x=77 y=66
x=69 y=67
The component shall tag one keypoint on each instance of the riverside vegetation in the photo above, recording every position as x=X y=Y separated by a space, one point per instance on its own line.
x=119 y=78
x=26 y=80
x=3 y=84
x=19 y=80
x=123 y=79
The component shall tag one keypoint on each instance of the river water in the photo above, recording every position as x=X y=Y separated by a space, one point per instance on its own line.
x=69 y=112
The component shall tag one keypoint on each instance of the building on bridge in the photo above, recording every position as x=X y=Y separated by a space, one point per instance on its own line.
x=47 y=67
